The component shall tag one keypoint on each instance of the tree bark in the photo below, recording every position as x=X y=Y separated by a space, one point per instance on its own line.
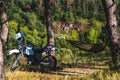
x=4 y=22
x=3 y=37
x=2 y=72
x=112 y=27
x=50 y=33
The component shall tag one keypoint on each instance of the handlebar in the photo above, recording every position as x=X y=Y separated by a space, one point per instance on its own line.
x=50 y=49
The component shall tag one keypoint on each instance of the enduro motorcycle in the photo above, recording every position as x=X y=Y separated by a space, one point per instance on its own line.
x=34 y=57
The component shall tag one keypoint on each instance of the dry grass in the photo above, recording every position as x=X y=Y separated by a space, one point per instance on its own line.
x=65 y=74
x=18 y=75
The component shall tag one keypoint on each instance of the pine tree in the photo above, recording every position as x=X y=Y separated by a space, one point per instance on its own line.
x=3 y=37
x=50 y=33
x=112 y=27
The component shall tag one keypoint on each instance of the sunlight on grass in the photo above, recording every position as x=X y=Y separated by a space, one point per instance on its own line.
x=99 y=75
x=37 y=76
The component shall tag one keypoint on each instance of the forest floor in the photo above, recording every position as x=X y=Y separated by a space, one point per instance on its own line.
x=57 y=75
x=75 y=71
x=97 y=71
x=69 y=73
x=83 y=70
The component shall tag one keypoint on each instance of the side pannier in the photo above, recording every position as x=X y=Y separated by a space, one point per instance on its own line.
x=28 y=50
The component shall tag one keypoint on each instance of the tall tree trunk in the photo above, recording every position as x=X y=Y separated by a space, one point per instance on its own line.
x=112 y=26
x=3 y=37
x=41 y=7
x=50 y=33
x=76 y=7
x=67 y=4
x=2 y=72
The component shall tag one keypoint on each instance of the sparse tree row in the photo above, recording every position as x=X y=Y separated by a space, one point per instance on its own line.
x=85 y=9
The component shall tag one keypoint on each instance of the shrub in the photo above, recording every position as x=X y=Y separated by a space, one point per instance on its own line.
x=64 y=55
x=95 y=31
x=74 y=35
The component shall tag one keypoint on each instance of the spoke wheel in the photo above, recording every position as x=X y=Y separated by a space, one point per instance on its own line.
x=49 y=63
x=14 y=64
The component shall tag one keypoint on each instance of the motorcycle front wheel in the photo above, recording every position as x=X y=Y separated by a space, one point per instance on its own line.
x=15 y=63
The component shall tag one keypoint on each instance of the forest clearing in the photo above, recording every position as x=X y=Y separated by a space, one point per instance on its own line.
x=59 y=40
x=80 y=73
x=96 y=68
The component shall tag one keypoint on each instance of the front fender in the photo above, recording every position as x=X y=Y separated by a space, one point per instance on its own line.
x=15 y=51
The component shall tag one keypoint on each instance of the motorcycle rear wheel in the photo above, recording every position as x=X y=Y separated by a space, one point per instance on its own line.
x=49 y=63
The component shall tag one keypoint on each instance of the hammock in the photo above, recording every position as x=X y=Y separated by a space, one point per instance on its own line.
x=89 y=47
